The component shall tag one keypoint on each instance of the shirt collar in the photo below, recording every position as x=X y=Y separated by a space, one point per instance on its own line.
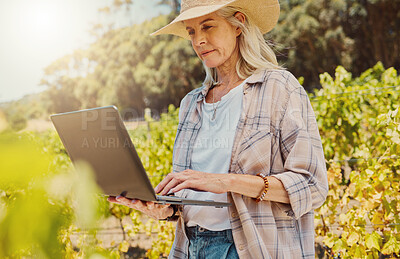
x=257 y=77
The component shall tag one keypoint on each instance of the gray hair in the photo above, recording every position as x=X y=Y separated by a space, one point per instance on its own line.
x=254 y=51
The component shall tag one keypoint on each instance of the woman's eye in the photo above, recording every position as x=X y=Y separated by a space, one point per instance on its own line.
x=205 y=27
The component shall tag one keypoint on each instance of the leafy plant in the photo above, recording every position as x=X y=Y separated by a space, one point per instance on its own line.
x=359 y=124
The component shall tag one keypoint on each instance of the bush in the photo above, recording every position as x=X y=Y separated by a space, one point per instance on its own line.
x=360 y=127
x=17 y=122
x=42 y=203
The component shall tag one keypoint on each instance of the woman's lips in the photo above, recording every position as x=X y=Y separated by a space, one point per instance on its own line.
x=206 y=53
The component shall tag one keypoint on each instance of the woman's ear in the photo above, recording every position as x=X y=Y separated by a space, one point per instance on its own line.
x=240 y=16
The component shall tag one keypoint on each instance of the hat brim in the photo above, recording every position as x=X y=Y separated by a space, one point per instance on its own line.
x=263 y=13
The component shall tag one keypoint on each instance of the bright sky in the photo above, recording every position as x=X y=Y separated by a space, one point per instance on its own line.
x=34 y=33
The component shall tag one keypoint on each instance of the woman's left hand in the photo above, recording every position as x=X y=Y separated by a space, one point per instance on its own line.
x=195 y=180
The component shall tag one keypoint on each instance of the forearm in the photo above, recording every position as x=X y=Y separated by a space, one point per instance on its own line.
x=252 y=186
x=248 y=185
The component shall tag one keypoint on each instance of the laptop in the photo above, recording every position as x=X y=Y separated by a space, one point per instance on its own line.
x=98 y=137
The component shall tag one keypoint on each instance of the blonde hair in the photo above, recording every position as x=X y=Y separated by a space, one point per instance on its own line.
x=254 y=51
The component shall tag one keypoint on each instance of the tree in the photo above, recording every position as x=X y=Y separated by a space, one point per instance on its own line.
x=127 y=68
x=318 y=35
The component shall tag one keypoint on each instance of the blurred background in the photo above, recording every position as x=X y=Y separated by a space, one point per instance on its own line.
x=58 y=56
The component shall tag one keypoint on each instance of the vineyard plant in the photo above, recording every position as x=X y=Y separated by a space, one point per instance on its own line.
x=359 y=122
x=44 y=201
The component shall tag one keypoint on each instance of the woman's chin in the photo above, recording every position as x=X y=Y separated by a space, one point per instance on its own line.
x=210 y=64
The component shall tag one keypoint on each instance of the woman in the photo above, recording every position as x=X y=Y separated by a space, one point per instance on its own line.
x=247 y=136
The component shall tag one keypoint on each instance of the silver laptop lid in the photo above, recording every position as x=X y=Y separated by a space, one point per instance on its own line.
x=98 y=137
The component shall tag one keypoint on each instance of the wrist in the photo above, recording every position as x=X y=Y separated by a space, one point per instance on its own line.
x=231 y=180
x=265 y=188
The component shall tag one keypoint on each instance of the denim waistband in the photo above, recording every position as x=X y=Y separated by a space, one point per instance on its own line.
x=195 y=231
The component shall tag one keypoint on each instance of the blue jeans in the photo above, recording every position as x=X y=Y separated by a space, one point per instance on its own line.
x=205 y=243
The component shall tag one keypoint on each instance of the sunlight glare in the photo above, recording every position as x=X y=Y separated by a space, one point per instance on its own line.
x=41 y=21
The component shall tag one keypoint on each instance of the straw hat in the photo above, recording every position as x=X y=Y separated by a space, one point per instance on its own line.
x=263 y=13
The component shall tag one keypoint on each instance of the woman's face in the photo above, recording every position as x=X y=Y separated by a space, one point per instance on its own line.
x=214 y=40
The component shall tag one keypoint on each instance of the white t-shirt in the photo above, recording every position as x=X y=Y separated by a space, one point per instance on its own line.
x=212 y=154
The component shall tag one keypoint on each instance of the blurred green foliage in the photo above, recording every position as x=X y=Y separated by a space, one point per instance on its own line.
x=126 y=68
x=42 y=203
x=154 y=144
x=315 y=36
x=38 y=185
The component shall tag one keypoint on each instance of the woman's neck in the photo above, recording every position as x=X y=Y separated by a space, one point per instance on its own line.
x=226 y=73
x=229 y=80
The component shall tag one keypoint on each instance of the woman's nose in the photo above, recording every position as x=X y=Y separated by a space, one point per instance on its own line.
x=199 y=39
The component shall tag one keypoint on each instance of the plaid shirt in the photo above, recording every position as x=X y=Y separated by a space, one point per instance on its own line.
x=277 y=135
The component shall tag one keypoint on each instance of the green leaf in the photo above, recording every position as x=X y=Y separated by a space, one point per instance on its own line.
x=373 y=241
x=330 y=241
x=359 y=251
x=391 y=246
x=339 y=245
x=353 y=238
x=123 y=246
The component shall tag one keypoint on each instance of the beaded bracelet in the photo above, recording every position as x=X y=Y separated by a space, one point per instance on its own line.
x=266 y=185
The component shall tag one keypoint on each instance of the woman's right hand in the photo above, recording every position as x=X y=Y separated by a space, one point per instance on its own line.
x=151 y=209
